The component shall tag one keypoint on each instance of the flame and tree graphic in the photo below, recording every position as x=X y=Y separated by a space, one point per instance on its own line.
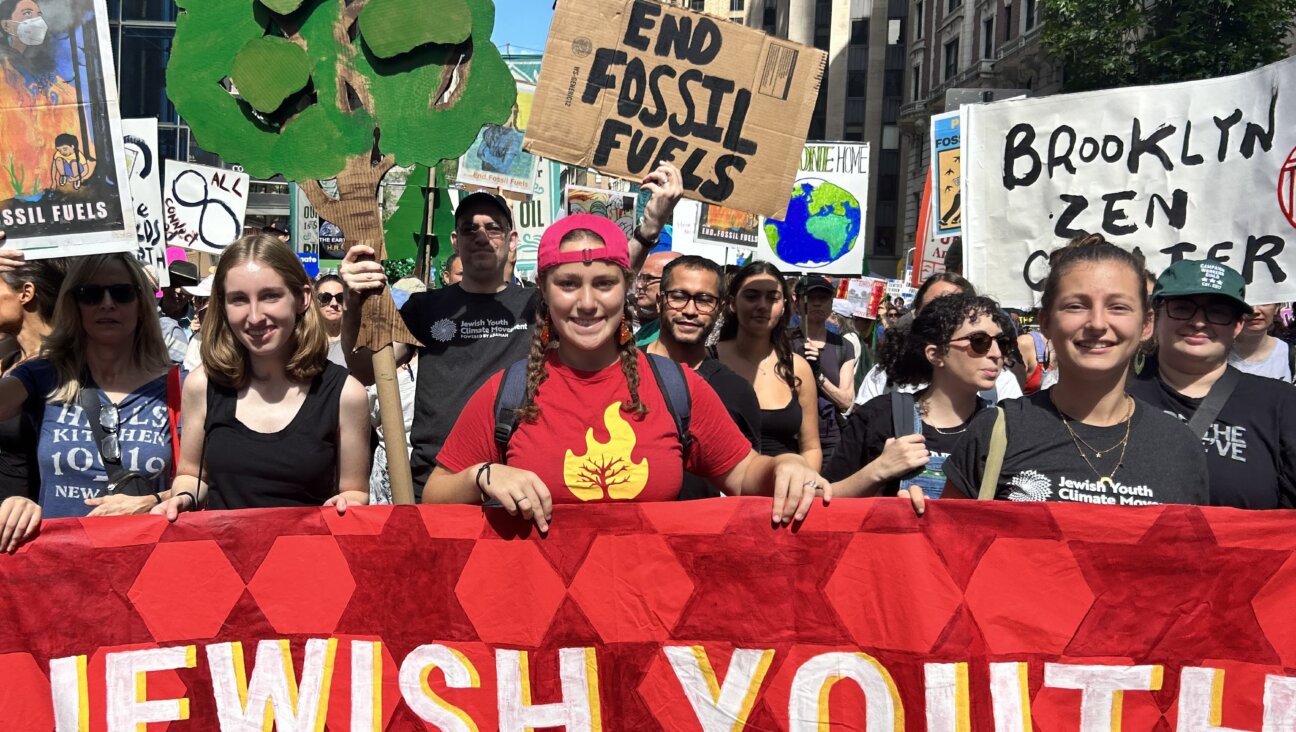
x=607 y=469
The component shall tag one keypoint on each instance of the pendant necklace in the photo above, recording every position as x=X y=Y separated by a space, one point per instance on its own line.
x=1103 y=480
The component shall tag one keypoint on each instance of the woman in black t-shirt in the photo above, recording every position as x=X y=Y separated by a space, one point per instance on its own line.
x=1084 y=440
x=267 y=420
x=956 y=345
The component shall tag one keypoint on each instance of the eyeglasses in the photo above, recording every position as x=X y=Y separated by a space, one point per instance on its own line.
x=326 y=298
x=705 y=302
x=644 y=280
x=494 y=231
x=1216 y=313
x=109 y=446
x=93 y=294
x=979 y=343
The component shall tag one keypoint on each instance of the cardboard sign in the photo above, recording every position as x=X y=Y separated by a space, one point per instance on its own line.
x=629 y=83
x=62 y=163
x=1203 y=169
x=947 y=173
x=144 y=174
x=823 y=229
x=678 y=616
x=614 y=205
x=204 y=206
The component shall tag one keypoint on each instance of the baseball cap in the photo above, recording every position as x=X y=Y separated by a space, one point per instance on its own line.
x=202 y=289
x=815 y=282
x=615 y=248
x=183 y=273
x=489 y=199
x=1189 y=277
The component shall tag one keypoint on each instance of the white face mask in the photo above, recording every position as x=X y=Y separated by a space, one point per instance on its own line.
x=31 y=32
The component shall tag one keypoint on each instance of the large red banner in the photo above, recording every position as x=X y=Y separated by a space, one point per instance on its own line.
x=700 y=616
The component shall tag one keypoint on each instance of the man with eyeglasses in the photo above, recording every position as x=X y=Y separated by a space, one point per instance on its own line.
x=647 y=288
x=689 y=301
x=470 y=330
x=1247 y=422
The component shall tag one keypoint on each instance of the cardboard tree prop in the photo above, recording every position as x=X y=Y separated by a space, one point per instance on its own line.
x=321 y=89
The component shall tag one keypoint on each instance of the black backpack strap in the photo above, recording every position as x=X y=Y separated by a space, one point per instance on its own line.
x=674 y=389
x=1214 y=401
x=512 y=391
x=902 y=413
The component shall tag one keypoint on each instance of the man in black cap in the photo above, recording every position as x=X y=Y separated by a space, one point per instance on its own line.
x=176 y=308
x=831 y=358
x=470 y=330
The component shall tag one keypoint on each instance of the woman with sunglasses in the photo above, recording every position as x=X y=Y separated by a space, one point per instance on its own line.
x=329 y=293
x=594 y=424
x=954 y=348
x=1084 y=440
x=1247 y=423
x=755 y=342
x=268 y=420
x=104 y=354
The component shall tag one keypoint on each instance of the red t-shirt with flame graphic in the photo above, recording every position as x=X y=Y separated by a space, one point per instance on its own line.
x=585 y=448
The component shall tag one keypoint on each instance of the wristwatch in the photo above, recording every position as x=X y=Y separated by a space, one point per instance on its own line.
x=648 y=243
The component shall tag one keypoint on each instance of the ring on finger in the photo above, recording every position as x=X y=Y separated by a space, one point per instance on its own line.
x=519 y=500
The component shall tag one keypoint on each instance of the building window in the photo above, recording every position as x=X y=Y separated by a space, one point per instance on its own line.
x=916 y=84
x=736 y=6
x=893 y=83
x=918 y=20
x=1007 y=23
x=771 y=15
x=697 y=5
x=859 y=32
x=890 y=137
x=987 y=38
x=895 y=31
x=951 y=59
x=856 y=84
x=1030 y=14
x=954 y=5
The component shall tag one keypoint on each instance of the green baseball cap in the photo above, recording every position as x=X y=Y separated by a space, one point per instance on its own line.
x=1189 y=277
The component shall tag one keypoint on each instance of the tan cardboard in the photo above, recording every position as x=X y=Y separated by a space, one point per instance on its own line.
x=627 y=83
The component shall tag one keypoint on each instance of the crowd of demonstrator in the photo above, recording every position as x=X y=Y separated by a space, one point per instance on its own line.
x=623 y=375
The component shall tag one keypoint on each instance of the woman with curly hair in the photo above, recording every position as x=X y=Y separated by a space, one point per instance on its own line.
x=1084 y=440
x=956 y=347
x=756 y=342
x=594 y=423
x=268 y=421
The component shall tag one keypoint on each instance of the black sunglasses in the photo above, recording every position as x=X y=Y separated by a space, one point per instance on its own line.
x=93 y=294
x=325 y=298
x=979 y=343
x=109 y=447
x=1215 y=313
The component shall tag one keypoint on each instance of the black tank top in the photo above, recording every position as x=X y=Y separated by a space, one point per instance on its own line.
x=296 y=466
x=781 y=429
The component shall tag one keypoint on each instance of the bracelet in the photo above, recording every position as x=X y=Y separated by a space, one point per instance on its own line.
x=485 y=468
x=192 y=497
x=639 y=237
x=157 y=499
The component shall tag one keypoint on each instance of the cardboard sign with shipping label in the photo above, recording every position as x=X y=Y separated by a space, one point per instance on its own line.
x=630 y=83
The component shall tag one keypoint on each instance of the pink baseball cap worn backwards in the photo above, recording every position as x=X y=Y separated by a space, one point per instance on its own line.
x=615 y=249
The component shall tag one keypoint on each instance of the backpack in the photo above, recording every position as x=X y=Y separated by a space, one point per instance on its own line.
x=670 y=379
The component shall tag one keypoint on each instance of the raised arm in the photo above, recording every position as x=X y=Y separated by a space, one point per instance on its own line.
x=667 y=185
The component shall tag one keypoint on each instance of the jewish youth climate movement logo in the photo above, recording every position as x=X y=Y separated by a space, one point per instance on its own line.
x=1287 y=188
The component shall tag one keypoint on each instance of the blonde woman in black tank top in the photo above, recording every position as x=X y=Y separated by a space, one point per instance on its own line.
x=267 y=420
x=755 y=343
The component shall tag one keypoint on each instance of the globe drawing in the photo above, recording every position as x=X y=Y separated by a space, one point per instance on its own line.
x=822 y=224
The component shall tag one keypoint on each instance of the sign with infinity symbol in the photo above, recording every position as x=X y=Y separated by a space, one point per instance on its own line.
x=203 y=206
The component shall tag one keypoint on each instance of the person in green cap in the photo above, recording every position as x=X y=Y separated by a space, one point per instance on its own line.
x=1247 y=423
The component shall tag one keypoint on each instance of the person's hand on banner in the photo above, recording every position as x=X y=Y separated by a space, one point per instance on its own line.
x=795 y=488
x=520 y=492
x=667 y=186
x=10 y=259
x=120 y=505
x=362 y=275
x=173 y=506
x=339 y=501
x=20 y=518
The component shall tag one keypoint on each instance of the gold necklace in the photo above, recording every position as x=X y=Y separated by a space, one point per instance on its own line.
x=1103 y=480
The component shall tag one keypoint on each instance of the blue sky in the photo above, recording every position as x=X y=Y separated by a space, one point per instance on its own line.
x=522 y=23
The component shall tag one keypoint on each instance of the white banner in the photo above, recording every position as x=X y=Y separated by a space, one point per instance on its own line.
x=1193 y=170
x=205 y=207
x=823 y=229
x=144 y=175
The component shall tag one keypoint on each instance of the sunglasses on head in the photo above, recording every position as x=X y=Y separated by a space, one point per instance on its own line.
x=979 y=343
x=325 y=298
x=93 y=294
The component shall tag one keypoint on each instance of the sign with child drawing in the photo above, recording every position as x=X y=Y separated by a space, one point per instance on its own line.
x=62 y=167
